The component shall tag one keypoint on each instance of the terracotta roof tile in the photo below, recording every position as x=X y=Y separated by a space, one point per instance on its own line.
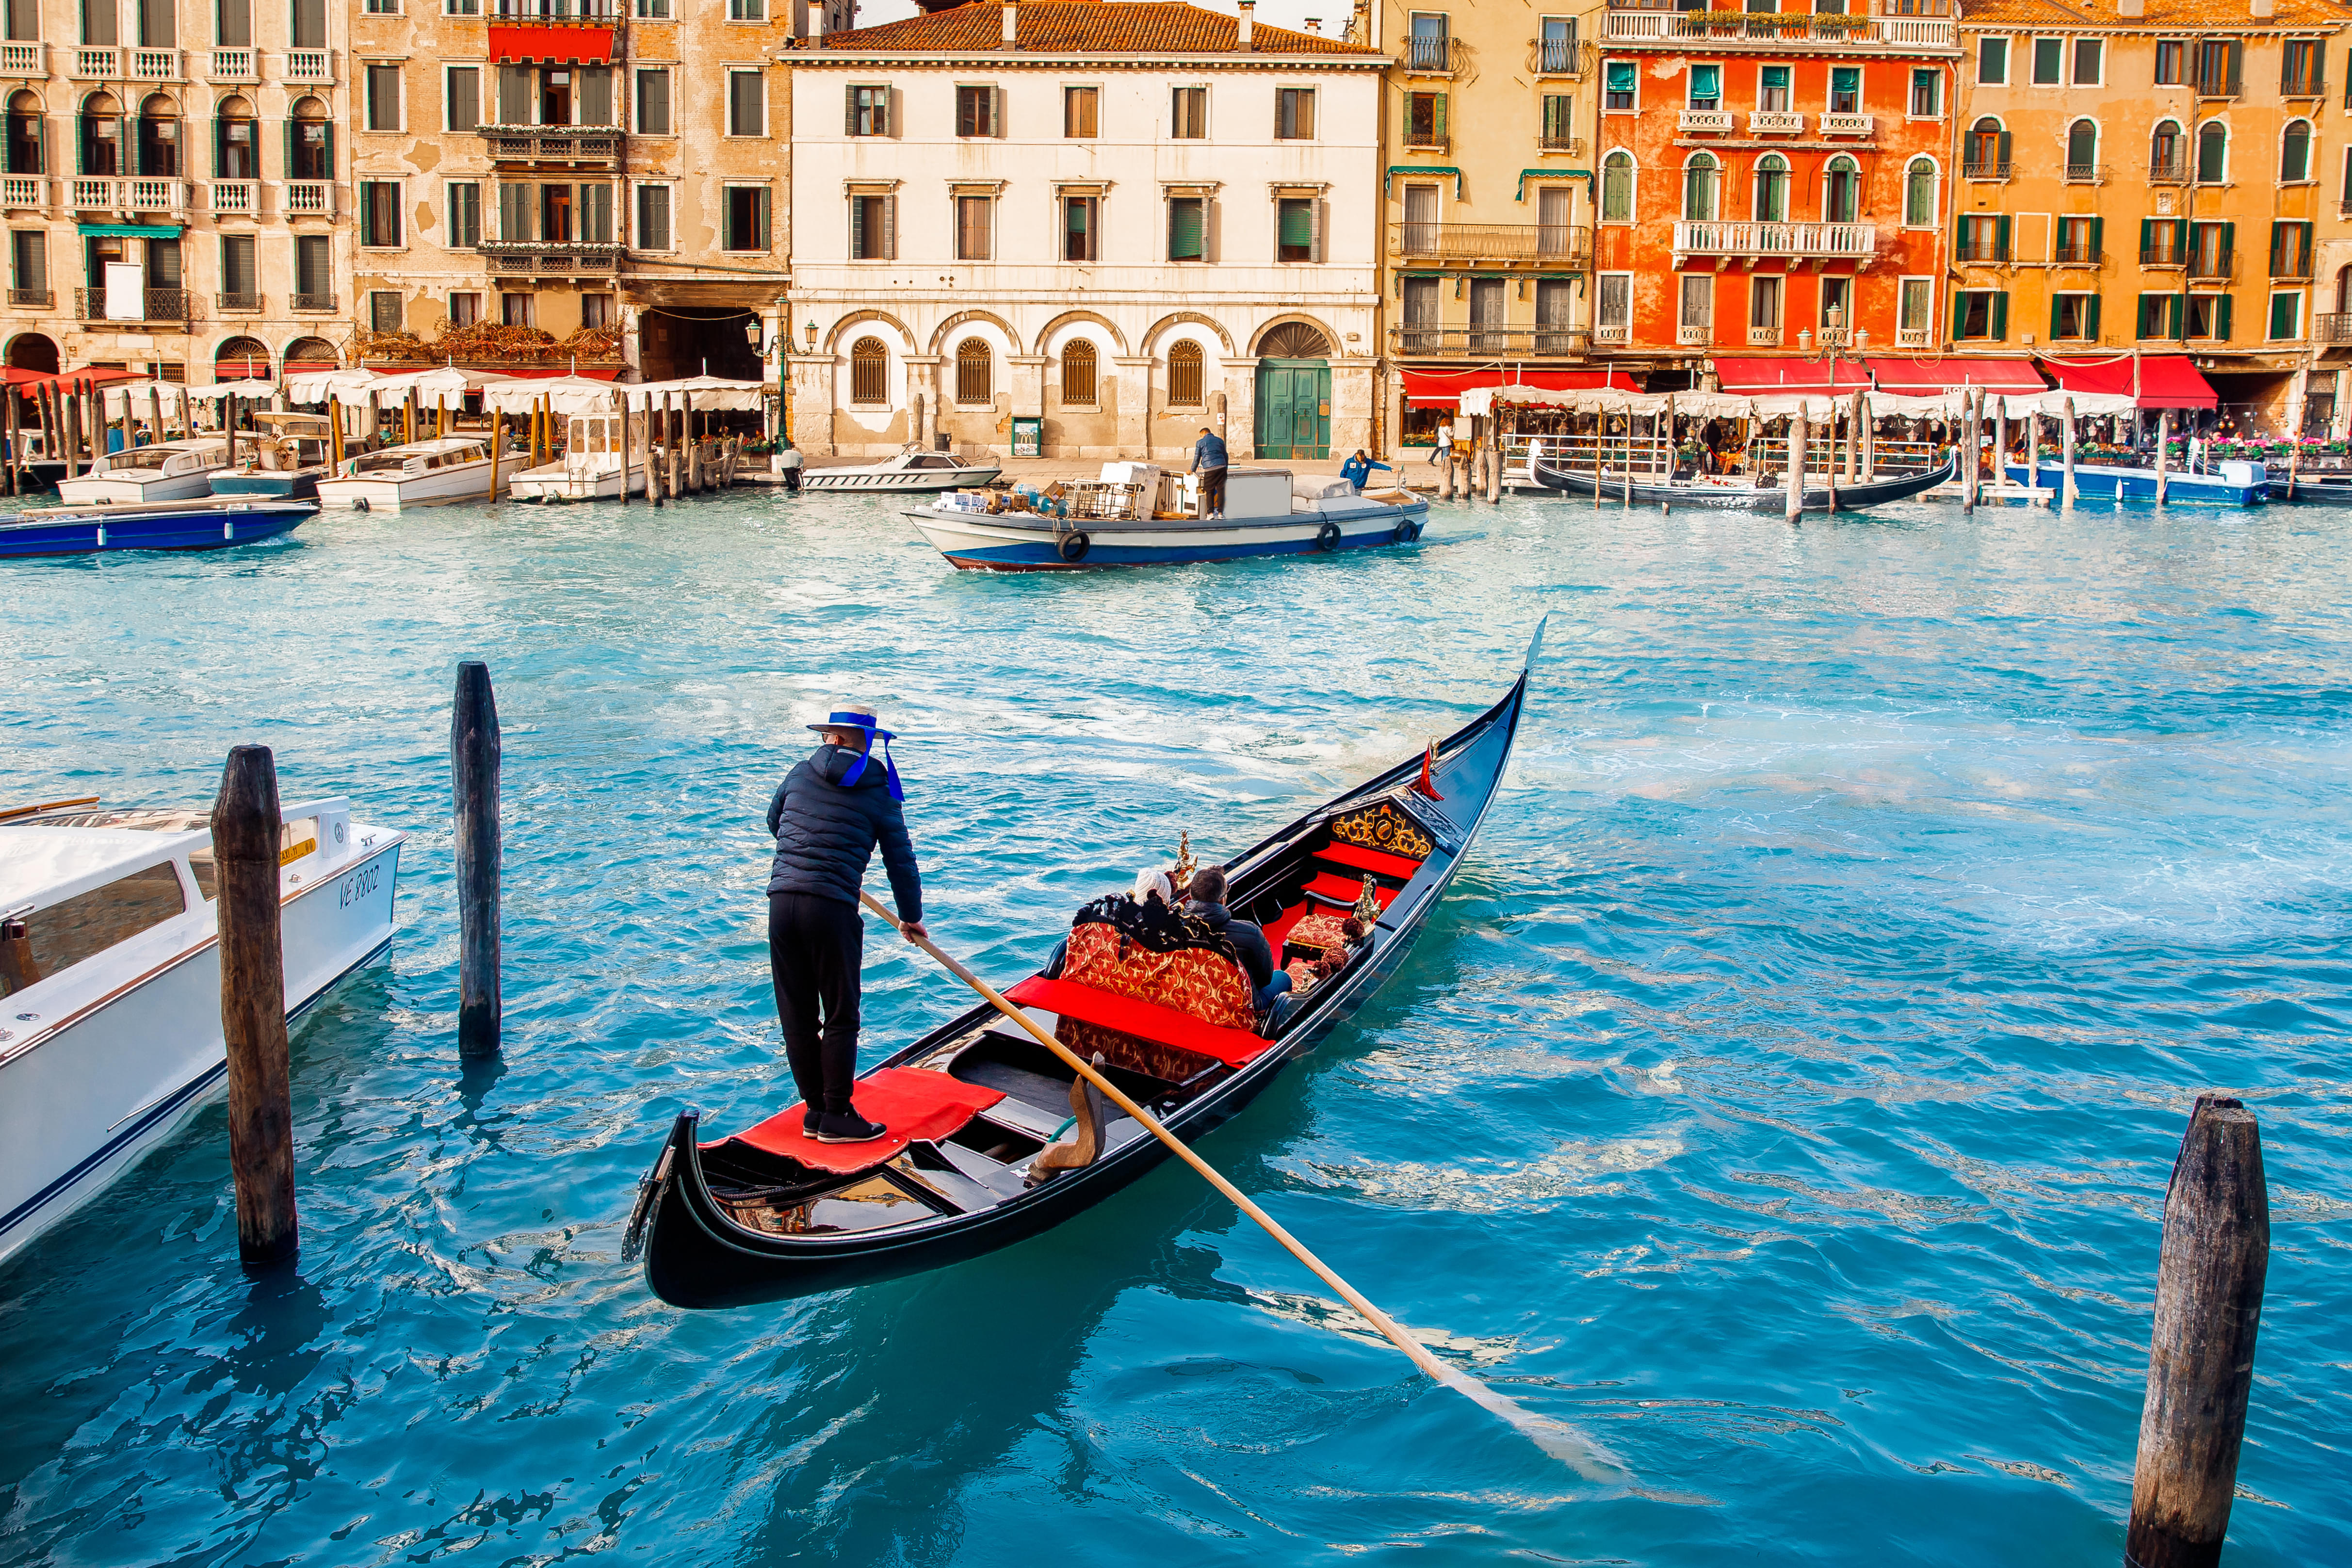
x=1090 y=26
x=2183 y=14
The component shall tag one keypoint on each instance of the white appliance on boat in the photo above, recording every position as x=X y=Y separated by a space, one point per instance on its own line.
x=911 y=471
x=161 y=471
x=590 y=468
x=110 y=1033
x=419 y=474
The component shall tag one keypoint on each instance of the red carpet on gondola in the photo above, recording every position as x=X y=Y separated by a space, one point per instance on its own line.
x=912 y=1102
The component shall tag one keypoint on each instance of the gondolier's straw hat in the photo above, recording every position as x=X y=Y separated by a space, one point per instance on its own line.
x=861 y=716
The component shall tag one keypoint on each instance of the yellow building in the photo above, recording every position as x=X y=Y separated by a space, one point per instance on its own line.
x=2148 y=174
x=1487 y=219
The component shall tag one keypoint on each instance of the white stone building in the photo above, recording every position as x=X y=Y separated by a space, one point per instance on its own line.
x=1124 y=218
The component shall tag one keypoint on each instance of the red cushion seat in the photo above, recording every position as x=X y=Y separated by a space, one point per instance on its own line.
x=912 y=1102
x=1149 y=1020
x=1362 y=859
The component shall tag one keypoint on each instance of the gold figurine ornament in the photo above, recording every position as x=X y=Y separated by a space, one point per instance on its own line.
x=1368 y=904
x=1181 y=873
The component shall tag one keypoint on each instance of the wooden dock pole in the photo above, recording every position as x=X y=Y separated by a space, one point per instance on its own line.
x=253 y=1007
x=2066 y=435
x=2163 y=456
x=1797 y=421
x=620 y=406
x=474 y=770
x=2201 y=1366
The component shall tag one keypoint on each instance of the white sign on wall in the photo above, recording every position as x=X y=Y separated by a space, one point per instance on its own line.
x=126 y=291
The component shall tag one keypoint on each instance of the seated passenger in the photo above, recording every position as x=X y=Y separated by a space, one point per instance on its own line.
x=1151 y=907
x=1248 y=938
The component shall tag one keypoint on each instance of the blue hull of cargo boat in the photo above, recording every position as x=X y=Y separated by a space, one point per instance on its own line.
x=86 y=530
x=2107 y=483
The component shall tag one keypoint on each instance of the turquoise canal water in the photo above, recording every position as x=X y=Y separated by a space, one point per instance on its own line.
x=1783 y=1098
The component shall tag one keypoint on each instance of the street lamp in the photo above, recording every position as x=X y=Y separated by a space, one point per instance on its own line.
x=809 y=328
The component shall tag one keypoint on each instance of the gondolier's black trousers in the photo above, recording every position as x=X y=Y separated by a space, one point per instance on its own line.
x=816 y=949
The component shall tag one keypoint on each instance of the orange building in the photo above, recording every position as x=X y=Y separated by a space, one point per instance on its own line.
x=1772 y=185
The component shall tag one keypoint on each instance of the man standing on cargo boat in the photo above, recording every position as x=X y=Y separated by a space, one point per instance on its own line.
x=1209 y=463
x=828 y=816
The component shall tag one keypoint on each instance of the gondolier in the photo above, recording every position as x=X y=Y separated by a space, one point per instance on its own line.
x=827 y=817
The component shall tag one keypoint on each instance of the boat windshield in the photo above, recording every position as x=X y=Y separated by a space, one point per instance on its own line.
x=72 y=929
x=377 y=461
x=144 y=458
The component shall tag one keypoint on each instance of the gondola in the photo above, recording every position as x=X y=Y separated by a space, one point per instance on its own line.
x=1769 y=499
x=765 y=1215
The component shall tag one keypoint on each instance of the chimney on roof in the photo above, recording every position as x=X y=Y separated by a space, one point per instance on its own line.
x=2263 y=10
x=1012 y=24
x=1357 y=25
x=1241 y=33
x=2131 y=7
x=1314 y=25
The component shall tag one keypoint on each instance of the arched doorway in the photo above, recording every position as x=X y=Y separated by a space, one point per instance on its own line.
x=32 y=351
x=241 y=359
x=713 y=341
x=1294 y=393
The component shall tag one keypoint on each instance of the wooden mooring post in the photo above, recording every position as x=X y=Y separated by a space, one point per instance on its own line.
x=473 y=771
x=253 y=1007
x=2201 y=1366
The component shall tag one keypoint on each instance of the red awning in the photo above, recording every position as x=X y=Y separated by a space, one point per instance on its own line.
x=541 y=373
x=1426 y=388
x=554 y=44
x=1744 y=377
x=1925 y=377
x=26 y=381
x=2166 y=381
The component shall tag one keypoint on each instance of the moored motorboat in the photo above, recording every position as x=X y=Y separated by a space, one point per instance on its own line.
x=2231 y=482
x=288 y=460
x=590 y=468
x=159 y=471
x=2327 y=488
x=1135 y=516
x=205 y=523
x=766 y=1214
x=111 y=965
x=1713 y=495
x=911 y=471
x=417 y=474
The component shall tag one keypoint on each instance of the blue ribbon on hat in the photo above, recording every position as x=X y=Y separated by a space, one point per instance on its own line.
x=865 y=721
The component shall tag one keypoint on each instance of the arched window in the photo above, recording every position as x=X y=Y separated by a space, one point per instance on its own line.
x=159 y=137
x=311 y=354
x=2082 y=150
x=1841 y=192
x=1184 y=375
x=2294 y=153
x=28 y=138
x=2343 y=290
x=101 y=134
x=869 y=371
x=1617 y=188
x=237 y=147
x=2212 y=152
x=1919 y=193
x=2166 y=158
x=1079 y=373
x=1987 y=157
x=1702 y=180
x=975 y=372
x=241 y=359
x=310 y=141
x=1771 y=189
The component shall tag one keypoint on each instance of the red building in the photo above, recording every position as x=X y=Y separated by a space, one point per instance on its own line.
x=1772 y=185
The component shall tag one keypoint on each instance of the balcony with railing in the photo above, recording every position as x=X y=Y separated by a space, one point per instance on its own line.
x=1763 y=337
x=1847 y=242
x=1848 y=124
x=91 y=193
x=309 y=198
x=310 y=304
x=237 y=303
x=545 y=259
x=1775 y=123
x=1424 y=139
x=1461 y=343
x=24 y=194
x=1694 y=334
x=2290 y=269
x=1549 y=141
x=1984 y=169
x=21 y=60
x=1546 y=243
x=32 y=299
x=2332 y=327
x=317 y=65
x=1914 y=336
x=236 y=198
x=1979 y=253
x=553 y=143
x=234 y=65
x=1561 y=57
x=2166 y=257
x=2087 y=173
x=1432 y=56
x=2075 y=253
x=1706 y=120
x=2163 y=170
x=165 y=308
x=2210 y=264
x=1738 y=29
x=1613 y=334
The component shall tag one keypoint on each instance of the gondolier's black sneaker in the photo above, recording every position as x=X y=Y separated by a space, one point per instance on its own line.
x=847 y=1127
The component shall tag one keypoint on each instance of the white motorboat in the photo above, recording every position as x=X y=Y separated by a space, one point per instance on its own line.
x=111 y=965
x=590 y=468
x=417 y=474
x=911 y=471
x=161 y=471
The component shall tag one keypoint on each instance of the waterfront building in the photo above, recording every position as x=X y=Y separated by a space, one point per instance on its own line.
x=2155 y=175
x=1084 y=230
x=1773 y=188
x=1486 y=231
x=605 y=165
x=173 y=194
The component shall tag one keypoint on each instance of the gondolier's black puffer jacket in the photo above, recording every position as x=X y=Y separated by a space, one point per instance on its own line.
x=825 y=832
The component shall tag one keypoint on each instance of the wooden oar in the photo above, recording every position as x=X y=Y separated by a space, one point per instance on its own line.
x=1562 y=1442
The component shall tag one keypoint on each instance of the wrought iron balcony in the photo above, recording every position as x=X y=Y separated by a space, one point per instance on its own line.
x=1851 y=242
x=2163 y=170
x=2087 y=173
x=1555 y=243
x=310 y=304
x=553 y=143
x=1562 y=58
x=2211 y=264
x=1562 y=143
x=1670 y=29
x=1984 y=169
x=37 y=299
x=543 y=258
x=2083 y=255
x=1442 y=342
x=2332 y=327
x=2291 y=269
x=2162 y=256
x=165 y=308
x=1427 y=55
x=1979 y=253
x=242 y=303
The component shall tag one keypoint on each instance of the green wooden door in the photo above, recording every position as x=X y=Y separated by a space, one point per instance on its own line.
x=1294 y=408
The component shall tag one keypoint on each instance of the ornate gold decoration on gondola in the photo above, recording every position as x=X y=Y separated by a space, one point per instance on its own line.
x=1368 y=903
x=1181 y=871
x=1383 y=827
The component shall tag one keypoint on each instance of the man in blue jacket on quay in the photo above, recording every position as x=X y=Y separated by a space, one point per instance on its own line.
x=828 y=816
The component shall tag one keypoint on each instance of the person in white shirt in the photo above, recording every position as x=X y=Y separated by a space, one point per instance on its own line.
x=788 y=463
x=1445 y=447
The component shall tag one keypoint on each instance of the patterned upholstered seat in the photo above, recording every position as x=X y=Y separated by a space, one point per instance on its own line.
x=1197 y=982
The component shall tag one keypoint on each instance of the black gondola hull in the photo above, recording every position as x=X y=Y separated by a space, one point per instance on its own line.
x=696 y=1256
x=1770 y=501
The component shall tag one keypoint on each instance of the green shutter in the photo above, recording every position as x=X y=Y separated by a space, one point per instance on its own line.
x=1440 y=107
x=1960 y=313
x=2221 y=319
x=287 y=125
x=2000 y=315
x=1184 y=229
x=2001 y=239
x=216 y=151
x=2147 y=237
x=2055 y=301
x=1297 y=224
x=2278 y=247
x=2237 y=71
x=2091 y=320
x=2282 y=315
x=2228 y=245
x=2000 y=150
x=2143 y=323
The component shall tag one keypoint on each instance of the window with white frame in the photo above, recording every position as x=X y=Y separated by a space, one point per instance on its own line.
x=462 y=200
x=465 y=308
x=1915 y=310
x=1187 y=113
x=2049 y=62
x=746 y=218
x=654 y=101
x=1620 y=87
x=463 y=8
x=1617 y=188
x=2286 y=317
x=873 y=227
x=1927 y=101
x=747 y=104
x=461 y=97
x=379 y=214
x=1697 y=306
x=1992 y=62
x=654 y=10
x=866 y=109
x=747 y=10
x=1612 y=320
x=653 y=228
x=975 y=219
x=2090 y=63
x=383 y=97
